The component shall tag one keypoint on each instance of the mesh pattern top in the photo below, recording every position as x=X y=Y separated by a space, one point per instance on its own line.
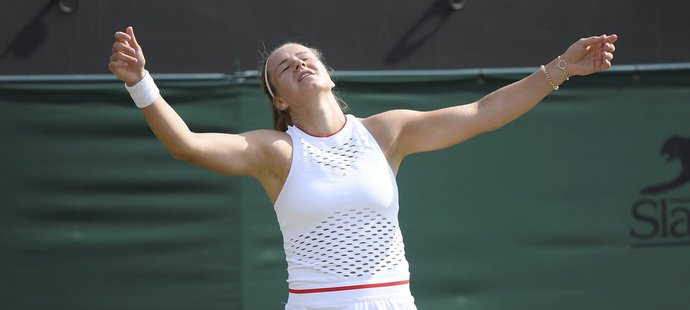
x=338 y=211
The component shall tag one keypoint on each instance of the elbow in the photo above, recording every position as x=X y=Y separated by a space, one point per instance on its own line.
x=490 y=122
x=188 y=150
x=182 y=154
x=186 y=157
x=179 y=155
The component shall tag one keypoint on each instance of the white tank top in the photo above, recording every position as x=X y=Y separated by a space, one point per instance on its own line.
x=338 y=211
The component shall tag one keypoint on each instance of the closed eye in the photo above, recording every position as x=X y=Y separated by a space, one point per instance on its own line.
x=288 y=67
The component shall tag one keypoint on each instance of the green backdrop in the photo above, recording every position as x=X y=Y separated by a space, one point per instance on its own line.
x=557 y=210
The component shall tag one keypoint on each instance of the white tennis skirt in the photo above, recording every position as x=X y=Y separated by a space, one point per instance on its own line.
x=381 y=298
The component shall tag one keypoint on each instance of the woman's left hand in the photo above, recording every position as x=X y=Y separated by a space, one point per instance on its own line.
x=590 y=55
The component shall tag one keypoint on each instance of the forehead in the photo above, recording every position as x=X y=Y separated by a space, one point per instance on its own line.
x=287 y=51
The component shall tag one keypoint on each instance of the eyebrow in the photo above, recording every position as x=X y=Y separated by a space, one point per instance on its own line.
x=286 y=59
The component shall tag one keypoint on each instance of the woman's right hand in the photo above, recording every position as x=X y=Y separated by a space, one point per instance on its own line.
x=127 y=59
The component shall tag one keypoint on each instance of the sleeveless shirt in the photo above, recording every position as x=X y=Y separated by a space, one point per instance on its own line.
x=338 y=211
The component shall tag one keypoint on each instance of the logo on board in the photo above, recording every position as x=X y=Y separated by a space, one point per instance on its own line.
x=662 y=219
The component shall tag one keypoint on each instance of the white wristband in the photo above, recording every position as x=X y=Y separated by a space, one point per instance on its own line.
x=145 y=92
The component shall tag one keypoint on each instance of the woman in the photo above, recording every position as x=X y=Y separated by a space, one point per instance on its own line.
x=331 y=176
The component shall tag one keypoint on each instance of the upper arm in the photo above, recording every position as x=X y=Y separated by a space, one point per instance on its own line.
x=408 y=132
x=245 y=154
x=261 y=153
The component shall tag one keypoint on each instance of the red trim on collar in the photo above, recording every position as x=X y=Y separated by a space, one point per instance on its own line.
x=329 y=135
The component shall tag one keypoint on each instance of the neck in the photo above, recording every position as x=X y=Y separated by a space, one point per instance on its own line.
x=320 y=117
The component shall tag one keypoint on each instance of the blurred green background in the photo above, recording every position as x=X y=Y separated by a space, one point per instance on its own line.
x=545 y=213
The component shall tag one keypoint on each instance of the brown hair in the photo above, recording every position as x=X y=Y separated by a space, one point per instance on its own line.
x=281 y=118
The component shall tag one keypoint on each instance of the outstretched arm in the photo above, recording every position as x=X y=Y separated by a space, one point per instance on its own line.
x=236 y=154
x=405 y=132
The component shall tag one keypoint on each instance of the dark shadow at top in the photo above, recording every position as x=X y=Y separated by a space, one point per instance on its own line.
x=421 y=31
x=31 y=37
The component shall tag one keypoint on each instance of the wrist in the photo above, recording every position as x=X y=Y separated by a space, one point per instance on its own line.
x=557 y=68
x=555 y=72
x=137 y=80
x=144 y=92
x=563 y=66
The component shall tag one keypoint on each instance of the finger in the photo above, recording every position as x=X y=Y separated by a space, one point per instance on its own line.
x=133 y=41
x=612 y=38
x=121 y=36
x=606 y=65
x=120 y=47
x=123 y=57
x=592 y=40
x=112 y=65
x=609 y=47
x=608 y=56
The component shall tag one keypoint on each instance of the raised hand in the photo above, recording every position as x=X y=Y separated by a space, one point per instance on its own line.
x=127 y=59
x=590 y=55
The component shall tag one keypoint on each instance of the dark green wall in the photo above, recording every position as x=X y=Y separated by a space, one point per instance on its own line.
x=547 y=212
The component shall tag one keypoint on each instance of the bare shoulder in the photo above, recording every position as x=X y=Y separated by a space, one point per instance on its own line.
x=386 y=127
x=384 y=120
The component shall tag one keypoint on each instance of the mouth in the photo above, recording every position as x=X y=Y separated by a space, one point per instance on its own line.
x=304 y=76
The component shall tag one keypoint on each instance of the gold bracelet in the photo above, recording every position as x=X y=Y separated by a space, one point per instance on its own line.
x=548 y=77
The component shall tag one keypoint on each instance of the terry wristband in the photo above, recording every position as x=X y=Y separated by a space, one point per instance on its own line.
x=144 y=92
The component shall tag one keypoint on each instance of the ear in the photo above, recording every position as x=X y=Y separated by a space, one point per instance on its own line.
x=279 y=103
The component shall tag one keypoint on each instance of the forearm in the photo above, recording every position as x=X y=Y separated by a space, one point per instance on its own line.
x=165 y=123
x=169 y=128
x=510 y=102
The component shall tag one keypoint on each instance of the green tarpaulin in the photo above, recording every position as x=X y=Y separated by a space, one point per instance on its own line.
x=580 y=204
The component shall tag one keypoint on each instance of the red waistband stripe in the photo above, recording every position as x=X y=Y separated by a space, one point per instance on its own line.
x=347 y=288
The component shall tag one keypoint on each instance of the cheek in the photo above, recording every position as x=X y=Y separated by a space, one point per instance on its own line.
x=323 y=72
x=283 y=81
x=321 y=67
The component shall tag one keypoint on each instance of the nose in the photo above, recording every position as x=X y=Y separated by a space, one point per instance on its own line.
x=298 y=63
